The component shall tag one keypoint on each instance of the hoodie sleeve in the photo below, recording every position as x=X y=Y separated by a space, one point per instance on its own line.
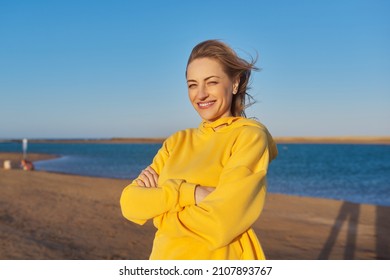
x=139 y=204
x=238 y=199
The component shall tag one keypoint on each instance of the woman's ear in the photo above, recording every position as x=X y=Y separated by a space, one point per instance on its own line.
x=235 y=85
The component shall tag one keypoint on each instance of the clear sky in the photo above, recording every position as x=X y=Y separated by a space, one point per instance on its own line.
x=101 y=69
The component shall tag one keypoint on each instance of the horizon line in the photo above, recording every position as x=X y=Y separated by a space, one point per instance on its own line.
x=278 y=140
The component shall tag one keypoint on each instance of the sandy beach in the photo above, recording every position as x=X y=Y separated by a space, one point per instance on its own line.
x=57 y=216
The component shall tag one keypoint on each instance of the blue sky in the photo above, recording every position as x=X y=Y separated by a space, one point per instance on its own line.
x=101 y=69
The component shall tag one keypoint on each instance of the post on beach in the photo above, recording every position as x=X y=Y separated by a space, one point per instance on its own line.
x=24 y=146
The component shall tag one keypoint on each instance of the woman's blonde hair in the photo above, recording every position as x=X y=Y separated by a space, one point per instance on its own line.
x=234 y=67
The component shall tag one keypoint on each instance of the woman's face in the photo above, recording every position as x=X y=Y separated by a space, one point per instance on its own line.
x=210 y=89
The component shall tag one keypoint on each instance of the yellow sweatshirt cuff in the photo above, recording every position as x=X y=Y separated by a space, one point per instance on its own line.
x=187 y=194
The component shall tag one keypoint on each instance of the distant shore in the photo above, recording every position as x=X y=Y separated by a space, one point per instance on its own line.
x=383 y=140
x=139 y=140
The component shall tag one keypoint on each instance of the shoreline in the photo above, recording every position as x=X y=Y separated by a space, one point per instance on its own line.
x=374 y=140
x=61 y=216
x=34 y=157
x=16 y=157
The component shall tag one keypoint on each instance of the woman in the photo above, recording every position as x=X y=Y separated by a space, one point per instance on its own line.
x=206 y=186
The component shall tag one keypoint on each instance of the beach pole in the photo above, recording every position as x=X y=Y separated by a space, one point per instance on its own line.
x=25 y=148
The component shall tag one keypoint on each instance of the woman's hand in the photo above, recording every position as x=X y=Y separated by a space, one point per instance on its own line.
x=201 y=192
x=148 y=178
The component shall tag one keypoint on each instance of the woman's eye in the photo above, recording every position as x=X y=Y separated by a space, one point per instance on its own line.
x=211 y=83
x=191 y=85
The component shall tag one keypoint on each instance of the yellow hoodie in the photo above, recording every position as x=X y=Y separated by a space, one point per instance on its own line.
x=234 y=159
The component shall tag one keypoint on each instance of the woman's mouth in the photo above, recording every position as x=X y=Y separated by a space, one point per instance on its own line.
x=205 y=105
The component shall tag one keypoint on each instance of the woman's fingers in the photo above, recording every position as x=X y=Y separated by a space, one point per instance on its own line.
x=144 y=176
x=140 y=183
x=148 y=178
x=154 y=176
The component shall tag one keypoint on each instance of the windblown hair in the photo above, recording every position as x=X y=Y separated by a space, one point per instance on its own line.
x=233 y=66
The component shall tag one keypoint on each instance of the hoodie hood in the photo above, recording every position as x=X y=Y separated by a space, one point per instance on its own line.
x=228 y=123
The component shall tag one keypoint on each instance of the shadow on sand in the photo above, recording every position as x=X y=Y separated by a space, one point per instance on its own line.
x=349 y=213
x=382 y=233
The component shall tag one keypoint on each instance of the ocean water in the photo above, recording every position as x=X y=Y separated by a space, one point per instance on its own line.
x=356 y=173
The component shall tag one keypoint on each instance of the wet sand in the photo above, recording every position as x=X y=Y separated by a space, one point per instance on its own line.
x=56 y=216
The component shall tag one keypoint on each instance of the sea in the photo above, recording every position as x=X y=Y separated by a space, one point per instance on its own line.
x=350 y=172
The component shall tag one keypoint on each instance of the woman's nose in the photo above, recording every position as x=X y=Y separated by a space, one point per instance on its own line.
x=202 y=93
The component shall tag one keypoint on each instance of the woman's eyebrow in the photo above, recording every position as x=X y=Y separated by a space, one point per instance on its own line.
x=212 y=77
x=205 y=79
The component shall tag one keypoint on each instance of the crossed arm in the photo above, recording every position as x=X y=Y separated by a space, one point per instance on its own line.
x=149 y=178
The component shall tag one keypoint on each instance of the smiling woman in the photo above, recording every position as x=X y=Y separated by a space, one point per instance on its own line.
x=206 y=186
x=210 y=90
x=213 y=68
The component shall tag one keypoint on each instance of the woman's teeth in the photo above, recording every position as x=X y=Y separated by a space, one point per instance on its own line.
x=205 y=104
